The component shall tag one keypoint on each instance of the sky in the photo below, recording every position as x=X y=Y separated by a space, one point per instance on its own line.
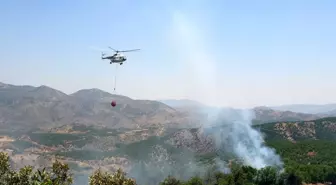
x=237 y=53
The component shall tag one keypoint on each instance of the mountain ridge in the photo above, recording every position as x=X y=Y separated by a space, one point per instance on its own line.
x=24 y=106
x=308 y=108
x=29 y=106
x=261 y=113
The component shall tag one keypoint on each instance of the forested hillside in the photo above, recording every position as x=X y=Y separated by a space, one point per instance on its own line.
x=307 y=149
x=324 y=128
x=305 y=162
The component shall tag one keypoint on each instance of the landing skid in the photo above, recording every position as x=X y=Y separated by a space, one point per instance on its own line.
x=116 y=62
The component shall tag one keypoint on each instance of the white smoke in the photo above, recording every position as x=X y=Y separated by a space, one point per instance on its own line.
x=246 y=142
x=237 y=134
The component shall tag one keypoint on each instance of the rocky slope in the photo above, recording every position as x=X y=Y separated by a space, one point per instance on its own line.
x=194 y=140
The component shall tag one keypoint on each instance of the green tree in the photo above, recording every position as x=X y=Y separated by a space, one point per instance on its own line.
x=266 y=176
x=331 y=177
x=5 y=171
x=104 y=178
x=194 y=181
x=226 y=180
x=171 y=181
x=292 y=179
x=60 y=174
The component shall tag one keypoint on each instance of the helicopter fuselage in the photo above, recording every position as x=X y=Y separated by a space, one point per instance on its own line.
x=116 y=58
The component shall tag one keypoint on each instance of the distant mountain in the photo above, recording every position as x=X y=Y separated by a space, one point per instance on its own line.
x=30 y=107
x=262 y=114
x=266 y=114
x=308 y=108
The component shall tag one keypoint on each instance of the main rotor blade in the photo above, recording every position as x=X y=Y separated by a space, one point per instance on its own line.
x=113 y=49
x=130 y=50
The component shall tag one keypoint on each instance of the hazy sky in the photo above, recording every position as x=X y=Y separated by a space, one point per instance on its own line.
x=237 y=53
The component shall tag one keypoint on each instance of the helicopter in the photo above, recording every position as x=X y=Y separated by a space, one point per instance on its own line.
x=117 y=57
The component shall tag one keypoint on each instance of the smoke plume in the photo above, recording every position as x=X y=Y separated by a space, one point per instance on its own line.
x=238 y=135
x=234 y=134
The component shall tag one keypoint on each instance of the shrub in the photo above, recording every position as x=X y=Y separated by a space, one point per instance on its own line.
x=103 y=178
